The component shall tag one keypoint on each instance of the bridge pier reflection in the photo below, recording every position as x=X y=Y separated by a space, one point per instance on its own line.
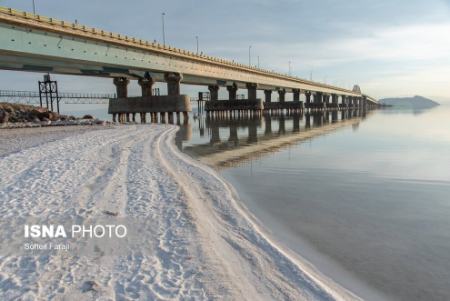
x=257 y=131
x=233 y=134
x=268 y=124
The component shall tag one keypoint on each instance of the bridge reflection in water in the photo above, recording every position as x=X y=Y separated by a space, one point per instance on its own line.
x=226 y=142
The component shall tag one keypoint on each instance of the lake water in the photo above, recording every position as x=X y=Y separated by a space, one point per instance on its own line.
x=367 y=203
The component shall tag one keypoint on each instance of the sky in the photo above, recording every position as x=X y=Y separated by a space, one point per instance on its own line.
x=391 y=48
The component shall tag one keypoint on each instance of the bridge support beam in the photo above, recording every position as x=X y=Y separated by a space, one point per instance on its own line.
x=232 y=92
x=251 y=88
x=213 y=92
x=268 y=95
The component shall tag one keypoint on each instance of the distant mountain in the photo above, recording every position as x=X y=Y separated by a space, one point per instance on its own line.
x=416 y=102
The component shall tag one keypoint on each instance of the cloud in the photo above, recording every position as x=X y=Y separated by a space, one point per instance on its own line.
x=344 y=42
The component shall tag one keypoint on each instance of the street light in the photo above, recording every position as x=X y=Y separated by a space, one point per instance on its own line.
x=289 y=68
x=34 y=8
x=249 y=55
x=258 y=61
x=163 y=29
x=196 y=38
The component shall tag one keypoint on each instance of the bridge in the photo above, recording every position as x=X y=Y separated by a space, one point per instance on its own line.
x=36 y=43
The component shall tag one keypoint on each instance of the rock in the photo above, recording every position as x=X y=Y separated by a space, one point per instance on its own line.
x=4 y=116
x=100 y=122
x=89 y=285
x=88 y=117
x=53 y=116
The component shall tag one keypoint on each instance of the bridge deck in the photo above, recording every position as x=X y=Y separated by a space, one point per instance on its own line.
x=36 y=43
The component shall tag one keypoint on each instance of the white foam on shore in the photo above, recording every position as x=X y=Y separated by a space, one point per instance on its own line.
x=200 y=243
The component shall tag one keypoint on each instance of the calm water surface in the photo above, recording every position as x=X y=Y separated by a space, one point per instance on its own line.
x=368 y=204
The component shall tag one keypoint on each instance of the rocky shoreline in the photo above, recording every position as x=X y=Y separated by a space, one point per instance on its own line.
x=23 y=116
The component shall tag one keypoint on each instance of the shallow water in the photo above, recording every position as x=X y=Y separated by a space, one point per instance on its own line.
x=367 y=204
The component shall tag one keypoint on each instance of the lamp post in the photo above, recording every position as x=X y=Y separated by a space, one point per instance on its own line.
x=34 y=8
x=290 y=68
x=249 y=55
x=163 y=29
x=196 y=38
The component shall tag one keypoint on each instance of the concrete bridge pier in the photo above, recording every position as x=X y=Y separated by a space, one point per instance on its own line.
x=364 y=104
x=121 y=84
x=173 y=89
x=213 y=92
x=351 y=102
x=334 y=101
x=232 y=91
x=173 y=81
x=143 y=116
x=308 y=100
x=281 y=95
x=252 y=106
x=296 y=95
x=156 y=105
x=162 y=117
x=326 y=101
x=296 y=98
x=268 y=95
x=281 y=99
x=251 y=90
x=318 y=101
x=343 y=103
x=146 y=84
x=334 y=116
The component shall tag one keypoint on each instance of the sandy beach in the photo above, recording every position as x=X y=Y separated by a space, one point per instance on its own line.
x=197 y=242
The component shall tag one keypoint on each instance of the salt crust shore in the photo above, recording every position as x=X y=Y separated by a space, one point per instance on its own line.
x=200 y=245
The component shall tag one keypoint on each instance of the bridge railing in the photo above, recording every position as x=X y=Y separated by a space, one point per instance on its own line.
x=32 y=97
